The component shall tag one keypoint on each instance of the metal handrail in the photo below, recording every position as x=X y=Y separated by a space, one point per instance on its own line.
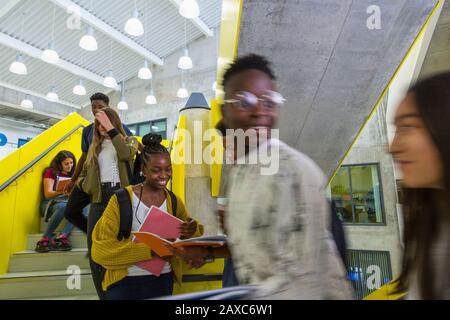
x=173 y=137
x=32 y=163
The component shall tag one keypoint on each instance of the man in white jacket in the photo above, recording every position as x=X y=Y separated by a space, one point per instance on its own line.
x=277 y=217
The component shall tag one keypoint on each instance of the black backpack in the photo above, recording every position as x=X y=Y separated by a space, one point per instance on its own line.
x=126 y=212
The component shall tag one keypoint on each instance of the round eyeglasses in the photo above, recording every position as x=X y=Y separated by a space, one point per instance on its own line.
x=247 y=101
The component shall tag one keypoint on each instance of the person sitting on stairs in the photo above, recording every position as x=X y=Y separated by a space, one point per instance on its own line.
x=54 y=202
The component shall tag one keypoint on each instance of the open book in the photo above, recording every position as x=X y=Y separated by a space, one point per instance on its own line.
x=164 y=225
x=158 y=244
x=61 y=183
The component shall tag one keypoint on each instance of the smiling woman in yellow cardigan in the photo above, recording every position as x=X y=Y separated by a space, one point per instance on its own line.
x=124 y=280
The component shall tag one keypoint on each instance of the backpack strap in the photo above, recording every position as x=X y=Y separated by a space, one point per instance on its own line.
x=126 y=216
x=173 y=199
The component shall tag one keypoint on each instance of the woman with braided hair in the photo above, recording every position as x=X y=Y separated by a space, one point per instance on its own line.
x=123 y=279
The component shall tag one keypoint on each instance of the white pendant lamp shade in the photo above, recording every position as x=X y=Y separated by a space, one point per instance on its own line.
x=123 y=105
x=134 y=26
x=88 y=41
x=145 y=73
x=18 y=67
x=79 y=89
x=189 y=9
x=52 y=96
x=150 y=99
x=110 y=81
x=50 y=55
x=27 y=103
x=185 y=62
x=182 y=93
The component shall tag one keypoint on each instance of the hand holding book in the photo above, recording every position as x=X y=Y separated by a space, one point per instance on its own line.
x=187 y=228
x=163 y=247
x=193 y=256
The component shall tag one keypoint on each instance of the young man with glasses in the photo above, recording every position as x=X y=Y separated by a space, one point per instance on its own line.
x=278 y=222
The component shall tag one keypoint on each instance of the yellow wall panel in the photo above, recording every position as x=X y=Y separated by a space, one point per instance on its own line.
x=20 y=201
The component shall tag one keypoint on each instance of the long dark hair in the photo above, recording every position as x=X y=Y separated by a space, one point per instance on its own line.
x=425 y=209
x=56 y=164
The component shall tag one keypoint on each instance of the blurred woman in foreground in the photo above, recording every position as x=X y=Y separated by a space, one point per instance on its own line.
x=421 y=148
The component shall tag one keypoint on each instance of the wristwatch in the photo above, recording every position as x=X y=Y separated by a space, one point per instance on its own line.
x=210 y=256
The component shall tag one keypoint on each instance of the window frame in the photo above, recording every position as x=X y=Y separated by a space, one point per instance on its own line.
x=383 y=211
x=137 y=124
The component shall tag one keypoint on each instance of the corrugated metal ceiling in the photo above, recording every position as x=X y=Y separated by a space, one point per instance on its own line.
x=164 y=35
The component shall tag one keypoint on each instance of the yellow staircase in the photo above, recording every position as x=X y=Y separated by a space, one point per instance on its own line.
x=25 y=274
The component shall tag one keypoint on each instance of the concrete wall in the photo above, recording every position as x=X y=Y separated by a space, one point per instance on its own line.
x=166 y=82
x=331 y=67
x=438 y=56
x=371 y=148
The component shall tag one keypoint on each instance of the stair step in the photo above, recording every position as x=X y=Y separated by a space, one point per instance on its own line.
x=37 y=274
x=79 y=297
x=45 y=285
x=30 y=261
x=43 y=226
x=77 y=239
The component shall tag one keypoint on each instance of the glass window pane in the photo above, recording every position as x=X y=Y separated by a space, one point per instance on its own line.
x=341 y=194
x=366 y=194
x=144 y=128
x=162 y=134
x=133 y=128
x=159 y=125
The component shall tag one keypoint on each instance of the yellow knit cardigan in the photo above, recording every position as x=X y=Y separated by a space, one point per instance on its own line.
x=117 y=256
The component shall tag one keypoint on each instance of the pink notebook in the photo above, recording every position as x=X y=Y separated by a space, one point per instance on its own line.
x=164 y=225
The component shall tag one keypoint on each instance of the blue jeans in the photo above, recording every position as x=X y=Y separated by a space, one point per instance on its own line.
x=141 y=287
x=57 y=217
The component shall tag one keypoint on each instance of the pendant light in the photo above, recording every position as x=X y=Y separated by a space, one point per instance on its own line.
x=189 y=9
x=88 y=41
x=185 y=62
x=52 y=96
x=145 y=73
x=182 y=92
x=151 y=99
x=50 y=55
x=79 y=89
x=123 y=105
x=134 y=26
x=26 y=102
x=110 y=81
x=18 y=66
